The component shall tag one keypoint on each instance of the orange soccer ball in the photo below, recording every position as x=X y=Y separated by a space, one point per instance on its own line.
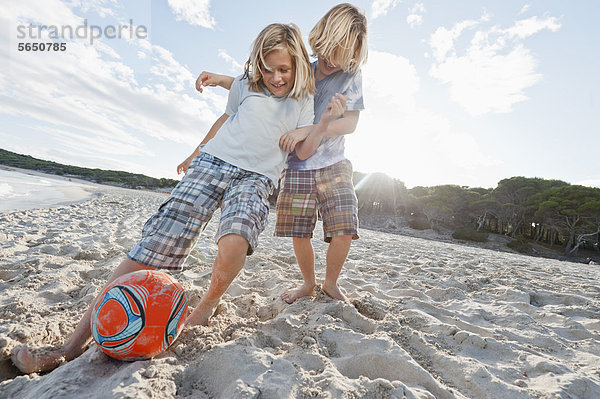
x=139 y=315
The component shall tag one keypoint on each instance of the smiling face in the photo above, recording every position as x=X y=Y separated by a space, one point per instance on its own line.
x=326 y=67
x=278 y=74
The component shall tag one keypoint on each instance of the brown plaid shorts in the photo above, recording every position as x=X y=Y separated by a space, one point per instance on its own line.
x=328 y=191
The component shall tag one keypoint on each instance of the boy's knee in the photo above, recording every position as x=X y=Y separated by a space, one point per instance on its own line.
x=233 y=243
x=341 y=239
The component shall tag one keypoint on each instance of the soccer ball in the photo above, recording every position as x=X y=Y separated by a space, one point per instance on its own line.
x=139 y=315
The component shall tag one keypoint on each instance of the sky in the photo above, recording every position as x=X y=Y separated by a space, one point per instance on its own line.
x=466 y=92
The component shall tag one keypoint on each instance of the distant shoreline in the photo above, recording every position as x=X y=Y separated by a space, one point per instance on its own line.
x=24 y=189
x=121 y=179
x=108 y=177
x=381 y=223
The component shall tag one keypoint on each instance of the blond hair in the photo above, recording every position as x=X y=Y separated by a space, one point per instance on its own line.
x=341 y=35
x=280 y=37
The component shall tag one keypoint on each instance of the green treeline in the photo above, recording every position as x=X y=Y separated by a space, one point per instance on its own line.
x=122 y=179
x=528 y=209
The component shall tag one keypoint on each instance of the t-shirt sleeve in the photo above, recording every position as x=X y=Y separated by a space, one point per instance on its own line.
x=307 y=112
x=235 y=96
x=355 y=93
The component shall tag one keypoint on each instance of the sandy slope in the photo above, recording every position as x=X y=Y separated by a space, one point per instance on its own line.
x=429 y=319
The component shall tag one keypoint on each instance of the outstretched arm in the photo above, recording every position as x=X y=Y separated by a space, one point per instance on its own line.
x=213 y=79
x=183 y=167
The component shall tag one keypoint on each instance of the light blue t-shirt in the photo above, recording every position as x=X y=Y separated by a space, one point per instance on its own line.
x=331 y=151
x=249 y=138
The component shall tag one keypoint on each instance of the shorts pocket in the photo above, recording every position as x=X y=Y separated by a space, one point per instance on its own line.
x=193 y=228
x=260 y=206
x=152 y=225
x=294 y=204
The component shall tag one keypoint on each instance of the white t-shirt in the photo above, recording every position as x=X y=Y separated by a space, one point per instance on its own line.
x=249 y=139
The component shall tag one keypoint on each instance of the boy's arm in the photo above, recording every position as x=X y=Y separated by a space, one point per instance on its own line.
x=336 y=127
x=183 y=167
x=344 y=125
x=290 y=140
x=339 y=127
x=306 y=148
x=215 y=128
x=213 y=79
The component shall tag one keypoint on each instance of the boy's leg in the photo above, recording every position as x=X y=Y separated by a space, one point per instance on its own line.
x=296 y=218
x=339 y=207
x=244 y=213
x=77 y=343
x=305 y=256
x=336 y=256
x=167 y=238
x=230 y=260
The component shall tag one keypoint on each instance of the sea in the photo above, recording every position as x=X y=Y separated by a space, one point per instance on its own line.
x=20 y=190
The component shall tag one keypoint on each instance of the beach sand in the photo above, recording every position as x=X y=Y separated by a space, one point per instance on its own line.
x=427 y=319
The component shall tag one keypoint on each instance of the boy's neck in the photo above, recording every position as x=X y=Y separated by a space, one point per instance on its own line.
x=319 y=76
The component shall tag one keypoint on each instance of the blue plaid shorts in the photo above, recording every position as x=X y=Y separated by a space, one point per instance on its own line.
x=170 y=234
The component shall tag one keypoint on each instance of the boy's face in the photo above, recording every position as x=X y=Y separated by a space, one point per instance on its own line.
x=327 y=67
x=278 y=75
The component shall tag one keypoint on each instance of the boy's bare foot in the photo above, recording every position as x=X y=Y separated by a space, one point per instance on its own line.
x=334 y=292
x=292 y=294
x=200 y=315
x=30 y=363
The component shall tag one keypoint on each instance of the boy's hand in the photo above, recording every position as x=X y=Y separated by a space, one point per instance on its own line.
x=288 y=141
x=336 y=107
x=183 y=167
x=207 y=79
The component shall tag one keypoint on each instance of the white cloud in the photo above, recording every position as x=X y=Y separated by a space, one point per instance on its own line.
x=398 y=136
x=442 y=40
x=524 y=9
x=87 y=100
x=381 y=7
x=528 y=27
x=234 y=66
x=195 y=12
x=492 y=73
x=414 y=20
x=170 y=70
x=417 y=8
x=483 y=81
x=415 y=16
x=54 y=12
x=96 y=5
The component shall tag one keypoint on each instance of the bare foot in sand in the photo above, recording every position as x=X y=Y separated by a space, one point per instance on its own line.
x=30 y=363
x=334 y=292
x=200 y=315
x=292 y=294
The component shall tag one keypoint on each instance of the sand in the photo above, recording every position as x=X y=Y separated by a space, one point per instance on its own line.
x=427 y=319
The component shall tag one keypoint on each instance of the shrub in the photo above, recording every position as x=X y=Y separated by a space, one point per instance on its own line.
x=470 y=234
x=520 y=244
x=419 y=224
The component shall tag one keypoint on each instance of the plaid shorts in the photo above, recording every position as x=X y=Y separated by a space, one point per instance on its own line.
x=329 y=191
x=170 y=234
